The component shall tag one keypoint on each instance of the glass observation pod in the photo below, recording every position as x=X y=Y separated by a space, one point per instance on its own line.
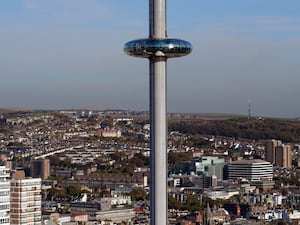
x=146 y=48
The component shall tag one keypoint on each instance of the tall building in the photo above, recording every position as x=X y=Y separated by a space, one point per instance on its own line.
x=252 y=170
x=40 y=168
x=270 y=146
x=283 y=156
x=4 y=196
x=157 y=48
x=210 y=166
x=278 y=154
x=25 y=199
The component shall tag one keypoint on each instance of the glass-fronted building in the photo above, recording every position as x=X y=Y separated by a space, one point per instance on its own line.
x=209 y=166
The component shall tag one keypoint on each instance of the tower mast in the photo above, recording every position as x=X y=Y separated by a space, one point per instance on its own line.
x=158 y=48
x=249 y=109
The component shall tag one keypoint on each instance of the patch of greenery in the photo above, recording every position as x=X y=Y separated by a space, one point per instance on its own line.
x=254 y=129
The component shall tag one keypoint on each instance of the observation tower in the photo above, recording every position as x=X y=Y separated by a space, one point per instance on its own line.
x=158 y=48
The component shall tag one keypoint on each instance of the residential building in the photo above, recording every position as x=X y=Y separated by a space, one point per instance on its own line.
x=278 y=154
x=4 y=196
x=110 y=133
x=116 y=215
x=25 y=200
x=58 y=219
x=79 y=217
x=270 y=146
x=40 y=168
x=283 y=156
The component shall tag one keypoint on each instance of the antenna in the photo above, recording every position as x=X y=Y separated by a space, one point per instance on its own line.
x=249 y=109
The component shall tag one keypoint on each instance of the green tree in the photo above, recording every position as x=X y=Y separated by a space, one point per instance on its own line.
x=173 y=203
x=104 y=193
x=118 y=156
x=284 y=192
x=73 y=191
x=54 y=192
x=192 y=203
x=138 y=194
x=178 y=157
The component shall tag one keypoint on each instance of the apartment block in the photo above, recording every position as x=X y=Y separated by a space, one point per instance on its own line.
x=270 y=146
x=25 y=200
x=40 y=168
x=283 y=156
x=4 y=196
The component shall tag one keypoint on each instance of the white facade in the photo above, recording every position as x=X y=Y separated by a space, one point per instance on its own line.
x=4 y=196
x=111 y=133
x=214 y=195
x=252 y=170
x=25 y=201
x=116 y=216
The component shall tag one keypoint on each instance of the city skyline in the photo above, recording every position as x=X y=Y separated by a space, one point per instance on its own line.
x=68 y=54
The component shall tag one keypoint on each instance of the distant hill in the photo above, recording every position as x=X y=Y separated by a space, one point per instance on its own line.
x=11 y=109
x=287 y=130
x=205 y=116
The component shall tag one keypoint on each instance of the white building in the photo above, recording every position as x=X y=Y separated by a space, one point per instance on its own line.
x=25 y=200
x=221 y=194
x=252 y=170
x=4 y=196
x=110 y=133
x=116 y=215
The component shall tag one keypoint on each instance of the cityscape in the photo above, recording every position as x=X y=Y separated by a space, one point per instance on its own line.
x=215 y=141
x=92 y=167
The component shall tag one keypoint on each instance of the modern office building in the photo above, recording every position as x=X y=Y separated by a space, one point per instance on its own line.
x=209 y=166
x=283 y=156
x=25 y=200
x=4 y=196
x=40 y=168
x=270 y=146
x=252 y=170
x=210 y=181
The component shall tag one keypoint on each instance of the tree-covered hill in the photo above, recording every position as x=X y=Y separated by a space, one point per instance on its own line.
x=285 y=130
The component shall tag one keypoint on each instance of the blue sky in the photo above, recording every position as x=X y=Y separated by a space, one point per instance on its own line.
x=69 y=54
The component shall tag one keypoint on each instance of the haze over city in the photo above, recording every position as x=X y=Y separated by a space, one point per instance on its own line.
x=69 y=54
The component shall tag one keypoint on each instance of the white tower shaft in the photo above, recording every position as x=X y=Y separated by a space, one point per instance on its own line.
x=158 y=118
x=158 y=48
x=157 y=23
x=159 y=158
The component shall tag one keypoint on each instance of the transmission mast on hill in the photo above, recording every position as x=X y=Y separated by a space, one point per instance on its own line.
x=249 y=109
